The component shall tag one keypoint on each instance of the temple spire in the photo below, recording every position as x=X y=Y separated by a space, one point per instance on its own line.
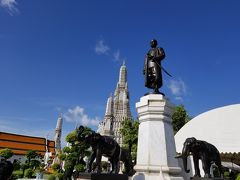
x=109 y=107
x=58 y=133
x=123 y=75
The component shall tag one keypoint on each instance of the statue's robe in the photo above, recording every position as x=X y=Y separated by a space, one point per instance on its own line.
x=152 y=68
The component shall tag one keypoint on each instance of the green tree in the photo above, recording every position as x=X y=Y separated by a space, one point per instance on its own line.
x=179 y=118
x=56 y=167
x=28 y=173
x=129 y=130
x=72 y=137
x=32 y=163
x=6 y=153
x=73 y=155
x=16 y=164
x=31 y=155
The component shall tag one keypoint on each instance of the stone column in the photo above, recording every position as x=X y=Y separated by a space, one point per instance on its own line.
x=156 y=146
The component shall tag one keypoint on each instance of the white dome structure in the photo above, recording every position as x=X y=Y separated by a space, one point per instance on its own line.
x=220 y=127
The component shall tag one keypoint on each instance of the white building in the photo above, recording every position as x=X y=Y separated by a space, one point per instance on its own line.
x=219 y=127
x=117 y=108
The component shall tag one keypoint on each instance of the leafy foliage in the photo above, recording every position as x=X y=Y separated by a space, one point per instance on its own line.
x=104 y=166
x=17 y=174
x=238 y=177
x=79 y=167
x=129 y=130
x=72 y=137
x=32 y=163
x=74 y=154
x=6 y=153
x=28 y=173
x=59 y=176
x=33 y=159
x=179 y=118
x=66 y=150
x=56 y=167
x=51 y=177
x=16 y=165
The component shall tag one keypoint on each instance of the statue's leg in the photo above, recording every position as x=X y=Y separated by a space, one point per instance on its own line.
x=127 y=167
x=89 y=164
x=117 y=166
x=218 y=163
x=196 y=166
x=206 y=167
x=98 y=160
x=156 y=91
x=112 y=164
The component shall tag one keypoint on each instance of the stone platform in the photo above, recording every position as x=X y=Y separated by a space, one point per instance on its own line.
x=94 y=176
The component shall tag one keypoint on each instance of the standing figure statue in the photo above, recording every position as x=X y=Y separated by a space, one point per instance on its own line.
x=152 y=67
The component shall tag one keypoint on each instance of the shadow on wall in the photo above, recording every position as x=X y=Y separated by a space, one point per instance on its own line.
x=139 y=176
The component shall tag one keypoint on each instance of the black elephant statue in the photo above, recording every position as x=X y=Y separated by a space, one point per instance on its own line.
x=200 y=150
x=6 y=169
x=105 y=146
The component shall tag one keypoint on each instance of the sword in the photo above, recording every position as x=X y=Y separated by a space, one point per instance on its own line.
x=164 y=70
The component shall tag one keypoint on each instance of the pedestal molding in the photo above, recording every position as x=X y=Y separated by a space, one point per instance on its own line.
x=157 y=169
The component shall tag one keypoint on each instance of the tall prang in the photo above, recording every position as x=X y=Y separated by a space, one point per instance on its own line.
x=117 y=109
x=58 y=134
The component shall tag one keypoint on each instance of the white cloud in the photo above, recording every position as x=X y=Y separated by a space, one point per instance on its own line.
x=178 y=88
x=101 y=48
x=178 y=98
x=117 y=57
x=78 y=116
x=9 y=5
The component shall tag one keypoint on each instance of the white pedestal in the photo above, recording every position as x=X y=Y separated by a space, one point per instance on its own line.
x=156 y=146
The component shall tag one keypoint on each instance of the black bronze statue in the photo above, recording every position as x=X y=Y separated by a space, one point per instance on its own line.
x=6 y=169
x=152 y=67
x=207 y=152
x=108 y=147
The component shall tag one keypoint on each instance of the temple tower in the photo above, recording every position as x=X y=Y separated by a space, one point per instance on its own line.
x=117 y=108
x=58 y=134
x=107 y=124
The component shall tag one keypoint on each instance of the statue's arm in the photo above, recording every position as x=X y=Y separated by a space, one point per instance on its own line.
x=162 y=54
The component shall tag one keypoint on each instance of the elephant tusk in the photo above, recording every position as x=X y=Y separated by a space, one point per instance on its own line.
x=178 y=156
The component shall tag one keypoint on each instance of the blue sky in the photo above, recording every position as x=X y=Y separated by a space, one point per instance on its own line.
x=64 y=57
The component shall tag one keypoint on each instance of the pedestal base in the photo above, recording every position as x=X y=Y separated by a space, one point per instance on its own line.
x=156 y=146
x=157 y=173
x=92 y=176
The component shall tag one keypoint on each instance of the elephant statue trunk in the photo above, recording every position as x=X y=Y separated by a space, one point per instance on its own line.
x=185 y=153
